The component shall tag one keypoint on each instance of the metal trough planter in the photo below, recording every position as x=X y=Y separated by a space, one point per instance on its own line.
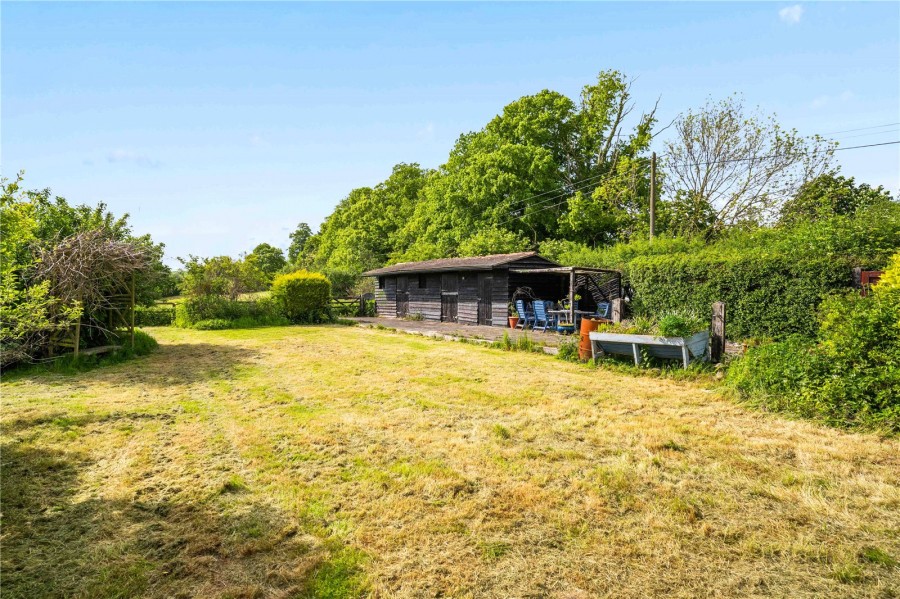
x=684 y=348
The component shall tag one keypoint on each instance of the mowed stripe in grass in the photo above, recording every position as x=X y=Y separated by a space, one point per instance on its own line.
x=334 y=461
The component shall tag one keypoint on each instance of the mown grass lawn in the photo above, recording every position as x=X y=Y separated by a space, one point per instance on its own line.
x=335 y=461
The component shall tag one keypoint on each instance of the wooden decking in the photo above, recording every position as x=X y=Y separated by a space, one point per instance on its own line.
x=449 y=330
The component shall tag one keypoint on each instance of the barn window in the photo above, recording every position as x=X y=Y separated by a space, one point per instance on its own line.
x=381 y=282
x=423 y=282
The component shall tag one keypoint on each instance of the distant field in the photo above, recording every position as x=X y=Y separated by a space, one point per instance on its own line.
x=340 y=462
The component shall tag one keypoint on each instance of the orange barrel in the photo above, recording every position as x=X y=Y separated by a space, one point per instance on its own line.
x=584 y=349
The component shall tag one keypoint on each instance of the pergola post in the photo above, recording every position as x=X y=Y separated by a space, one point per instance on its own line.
x=572 y=296
x=131 y=327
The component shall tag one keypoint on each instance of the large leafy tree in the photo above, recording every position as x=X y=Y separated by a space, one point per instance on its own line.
x=362 y=231
x=546 y=166
x=298 y=241
x=268 y=259
x=221 y=276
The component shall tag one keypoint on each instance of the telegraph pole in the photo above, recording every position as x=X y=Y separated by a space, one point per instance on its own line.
x=652 y=196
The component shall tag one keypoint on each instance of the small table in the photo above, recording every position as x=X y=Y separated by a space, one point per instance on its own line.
x=579 y=314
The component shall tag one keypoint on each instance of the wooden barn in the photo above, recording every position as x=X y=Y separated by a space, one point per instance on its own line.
x=478 y=290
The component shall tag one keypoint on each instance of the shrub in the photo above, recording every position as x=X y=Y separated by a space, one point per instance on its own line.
x=302 y=296
x=154 y=316
x=681 y=325
x=568 y=350
x=849 y=376
x=68 y=364
x=216 y=312
x=212 y=324
x=143 y=344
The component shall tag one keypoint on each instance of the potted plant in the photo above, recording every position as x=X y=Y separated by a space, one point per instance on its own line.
x=513 y=315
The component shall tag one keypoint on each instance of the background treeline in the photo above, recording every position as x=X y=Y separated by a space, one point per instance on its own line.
x=553 y=168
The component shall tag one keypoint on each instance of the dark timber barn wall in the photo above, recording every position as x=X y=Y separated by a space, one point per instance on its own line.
x=452 y=290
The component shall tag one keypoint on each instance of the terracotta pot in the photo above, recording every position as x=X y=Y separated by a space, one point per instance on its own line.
x=513 y=322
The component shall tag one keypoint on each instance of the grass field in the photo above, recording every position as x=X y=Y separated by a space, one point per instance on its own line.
x=337 y=462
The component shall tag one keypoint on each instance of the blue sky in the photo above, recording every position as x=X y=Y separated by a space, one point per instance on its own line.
x=220 y=126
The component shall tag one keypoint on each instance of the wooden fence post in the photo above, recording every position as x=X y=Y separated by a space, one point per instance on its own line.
x=618 y=307
x=132 y=312
x=717 y=339
x=365 y=297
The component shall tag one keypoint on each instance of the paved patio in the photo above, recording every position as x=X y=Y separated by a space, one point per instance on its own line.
x=450 y=330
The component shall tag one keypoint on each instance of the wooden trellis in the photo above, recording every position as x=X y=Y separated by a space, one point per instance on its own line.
x=119 y=314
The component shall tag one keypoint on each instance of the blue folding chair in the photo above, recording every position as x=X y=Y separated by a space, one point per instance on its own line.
x=526 y=317
x=604 y=310
x=540 y=315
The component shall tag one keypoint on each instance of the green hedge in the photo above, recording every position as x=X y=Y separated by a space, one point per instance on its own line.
x=302 y=296
x=217 y=312
x=772 y=279
x=848 y=376
x=154 y=316
x=765 y=295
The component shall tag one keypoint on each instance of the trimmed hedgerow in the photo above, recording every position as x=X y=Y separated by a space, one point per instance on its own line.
x=303 y=296
x=154 y=316
x=773 y=280
x=767 y=295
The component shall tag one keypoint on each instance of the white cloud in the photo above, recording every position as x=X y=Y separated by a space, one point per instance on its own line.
x=825 y=100
x=120 y=155
x=256 y=140
x=791 y=14
x=426 y=132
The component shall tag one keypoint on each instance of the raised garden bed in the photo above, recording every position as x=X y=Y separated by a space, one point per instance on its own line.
x=684 y=348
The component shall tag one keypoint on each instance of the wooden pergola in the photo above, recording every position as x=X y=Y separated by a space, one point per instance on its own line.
x=583 y=276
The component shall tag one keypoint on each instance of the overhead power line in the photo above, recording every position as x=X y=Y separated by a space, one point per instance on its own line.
x=562 y=188
x=606 y=178
x=861 y=129
x=573 y=189
x=586 y=183
x=887 y=143
x=870 y=133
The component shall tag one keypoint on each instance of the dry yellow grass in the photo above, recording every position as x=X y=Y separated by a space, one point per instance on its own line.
x=329 y=461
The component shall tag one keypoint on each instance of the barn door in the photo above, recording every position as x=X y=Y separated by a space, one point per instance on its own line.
x=485 y=289
x=449 y=297
x=402 y=296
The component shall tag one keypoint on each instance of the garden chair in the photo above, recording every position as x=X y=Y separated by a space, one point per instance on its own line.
x=526 y=316
x=541 y=318
x=604 y=310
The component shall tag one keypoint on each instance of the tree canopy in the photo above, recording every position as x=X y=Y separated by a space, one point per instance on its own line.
x=268 y=259
x=546 y=167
